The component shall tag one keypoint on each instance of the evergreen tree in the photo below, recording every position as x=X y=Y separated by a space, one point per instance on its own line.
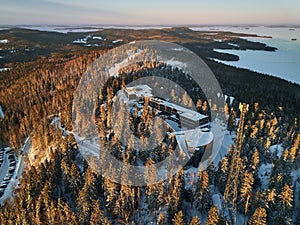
x=213 y=216
x=178 y=219
x=259 y=217
x=195 y=221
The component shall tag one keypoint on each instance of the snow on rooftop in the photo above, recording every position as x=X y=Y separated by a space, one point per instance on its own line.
x=195 y=137
x=184 y=112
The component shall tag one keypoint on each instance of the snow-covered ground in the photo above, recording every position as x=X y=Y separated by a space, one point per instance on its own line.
x=175 y=64
x=234 y=45
x=264 y=174
x=113 y=71
x=82 y=40
x=1 y=113
x=117 y=41
x=4 y=69
x=4 y=41
x=277 y=150
x=98 y=38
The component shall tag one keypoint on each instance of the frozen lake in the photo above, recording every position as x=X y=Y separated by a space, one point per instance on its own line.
x=284 y=63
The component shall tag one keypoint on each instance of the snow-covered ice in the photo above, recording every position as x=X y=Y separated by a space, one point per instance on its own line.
x=234 y=45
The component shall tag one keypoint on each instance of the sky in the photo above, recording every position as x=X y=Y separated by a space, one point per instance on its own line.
x=153 y=12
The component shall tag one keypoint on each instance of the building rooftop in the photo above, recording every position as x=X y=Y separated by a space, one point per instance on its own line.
x=140 y=91
x=182 y=111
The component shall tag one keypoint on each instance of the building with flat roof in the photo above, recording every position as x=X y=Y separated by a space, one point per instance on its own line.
x=138 y=92
x=184 y=122
x=187 y=117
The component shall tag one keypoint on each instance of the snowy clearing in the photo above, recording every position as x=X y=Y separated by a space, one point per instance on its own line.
x=113 y=71
x=175 y=64
x=277 y=149
x=264 y=174
x=4 y=69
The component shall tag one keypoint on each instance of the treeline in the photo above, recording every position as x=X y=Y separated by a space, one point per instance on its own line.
x=63 y=189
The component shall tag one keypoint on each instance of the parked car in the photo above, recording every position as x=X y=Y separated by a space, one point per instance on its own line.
x=8 y=151
x=7 y=177
x=5 y=182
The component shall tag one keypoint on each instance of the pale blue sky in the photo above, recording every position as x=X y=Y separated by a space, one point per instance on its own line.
x=153 y=12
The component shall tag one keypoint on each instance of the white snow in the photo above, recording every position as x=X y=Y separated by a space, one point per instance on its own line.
x=98 y=38
x=1 y=113
x=4 y=41
x=82 y=40
x=277 y=149
x=116 y=41
x=113 y=71
x=231 y=98
x=234 y=45
x=218 y=201
x=218 y=40
x=264 y=174
x=175 y=63
x=91 y=45
x=4 y=69
x=177 y=49
x=56 y=121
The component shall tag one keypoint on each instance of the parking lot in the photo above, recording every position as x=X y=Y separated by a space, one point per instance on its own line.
x=7 y=168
